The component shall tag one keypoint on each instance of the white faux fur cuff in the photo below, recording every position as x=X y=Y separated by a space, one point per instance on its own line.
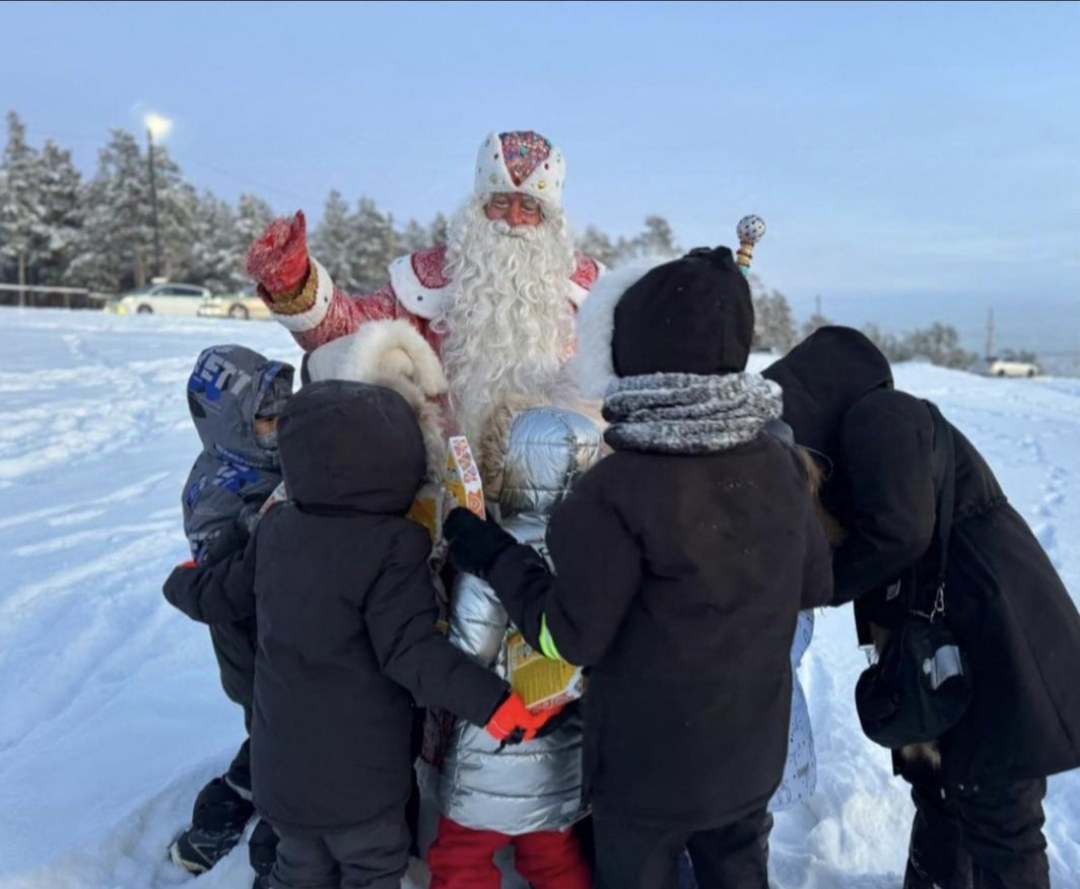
x=381 y=352
x=395 y=355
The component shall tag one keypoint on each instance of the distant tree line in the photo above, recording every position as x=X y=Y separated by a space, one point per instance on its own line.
x=58 y=229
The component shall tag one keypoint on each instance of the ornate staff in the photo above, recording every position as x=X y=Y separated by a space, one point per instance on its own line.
x=750 y=230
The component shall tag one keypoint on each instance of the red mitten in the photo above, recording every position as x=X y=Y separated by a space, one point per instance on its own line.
x=279 y=259
x=513 y=722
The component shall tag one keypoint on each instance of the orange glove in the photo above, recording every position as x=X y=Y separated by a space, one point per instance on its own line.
x=513 y=722
x=279 y=259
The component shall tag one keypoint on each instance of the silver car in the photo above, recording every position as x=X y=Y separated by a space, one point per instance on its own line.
x=160 y=299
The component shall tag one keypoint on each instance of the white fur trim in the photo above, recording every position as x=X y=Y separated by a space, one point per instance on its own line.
x=324 y=293
x=592 y=368
x=545 y=185
x=395 y=355
x=380 y=352
x=424 y=302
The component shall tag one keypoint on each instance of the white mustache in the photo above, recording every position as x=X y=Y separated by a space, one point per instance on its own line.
x=524 y=232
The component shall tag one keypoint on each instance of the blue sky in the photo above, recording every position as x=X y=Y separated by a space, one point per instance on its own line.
x=903 y=154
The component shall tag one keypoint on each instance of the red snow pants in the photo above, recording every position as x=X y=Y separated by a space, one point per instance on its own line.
x=461 y=858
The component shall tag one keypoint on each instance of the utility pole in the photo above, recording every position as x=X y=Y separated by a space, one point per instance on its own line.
x=153 y=203
x=990 y=333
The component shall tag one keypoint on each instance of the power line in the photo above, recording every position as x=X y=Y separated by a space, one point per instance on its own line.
x=306 y=200
x=78 y=137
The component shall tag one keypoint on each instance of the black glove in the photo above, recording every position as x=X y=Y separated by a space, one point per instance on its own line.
x=560 y=719
x=233 y=537
x=475 y=544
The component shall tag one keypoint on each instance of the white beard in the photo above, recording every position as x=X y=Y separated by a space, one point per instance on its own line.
x=508 y=325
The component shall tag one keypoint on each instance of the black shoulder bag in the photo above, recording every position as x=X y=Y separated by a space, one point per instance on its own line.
x=920 y=686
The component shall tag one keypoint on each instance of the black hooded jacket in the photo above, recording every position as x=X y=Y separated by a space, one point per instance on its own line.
x=1004 y=600
x=346 y=614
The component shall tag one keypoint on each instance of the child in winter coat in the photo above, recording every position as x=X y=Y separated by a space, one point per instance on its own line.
x=800 y=768
x=682 y=562
x=527 y=796
x=978 y=790
x=235 y=396
x=338 y=581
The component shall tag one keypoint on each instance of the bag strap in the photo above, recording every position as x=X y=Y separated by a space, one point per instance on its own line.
x=944 y=452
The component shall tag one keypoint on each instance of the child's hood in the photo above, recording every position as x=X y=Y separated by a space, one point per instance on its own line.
x=351 y=447
x=226 y=389
x=548 y=449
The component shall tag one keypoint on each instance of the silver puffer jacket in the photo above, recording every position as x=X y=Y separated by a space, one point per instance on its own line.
x=535 y=786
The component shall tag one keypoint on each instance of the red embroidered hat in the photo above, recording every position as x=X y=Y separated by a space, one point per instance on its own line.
x=521 y=161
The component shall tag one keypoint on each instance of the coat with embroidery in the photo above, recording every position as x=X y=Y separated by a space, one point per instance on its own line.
x=418 y=284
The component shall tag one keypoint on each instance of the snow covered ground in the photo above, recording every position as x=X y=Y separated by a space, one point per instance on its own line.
x=111 y=714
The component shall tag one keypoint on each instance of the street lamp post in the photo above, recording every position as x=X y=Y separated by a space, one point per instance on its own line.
x=156 y=125
x=153 y=205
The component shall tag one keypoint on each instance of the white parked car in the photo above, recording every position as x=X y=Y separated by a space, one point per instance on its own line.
x=1008 y=366
x=160 y=299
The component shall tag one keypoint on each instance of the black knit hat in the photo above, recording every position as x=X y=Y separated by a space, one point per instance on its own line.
x=692 y=315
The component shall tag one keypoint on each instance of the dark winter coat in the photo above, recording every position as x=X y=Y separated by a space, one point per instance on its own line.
x=346 y=615
x=679 y=582
x=1004 y=600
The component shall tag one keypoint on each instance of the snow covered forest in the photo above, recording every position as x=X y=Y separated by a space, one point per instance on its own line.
x=58 y=228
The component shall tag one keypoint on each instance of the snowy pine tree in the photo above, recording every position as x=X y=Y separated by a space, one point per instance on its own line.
x=21 y=223
x=373 y=246
x=813 y=323
x=658 y=239
x=215 y=259
x=595 y=244
x=414 y=238
x=939 y=344
x=116 y=246
x=774 y=326
x=440 y=230
x=178 y=205
x=253 y=215
x=888 y=344
x=332 y=241
x=60 y=185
